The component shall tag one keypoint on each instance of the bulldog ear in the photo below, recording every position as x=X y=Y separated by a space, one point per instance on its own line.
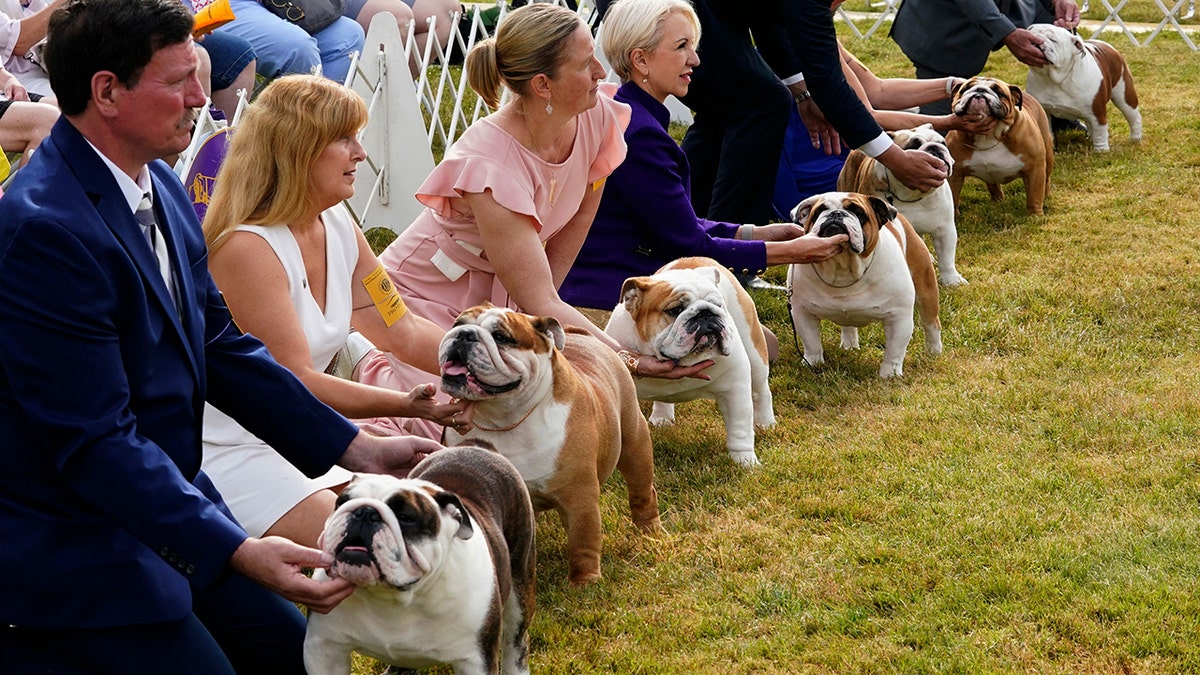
x=631 y=293
x=800 y=213
x=552 y=329
x=884 y=211
x=1018 y=96
x=450 y=505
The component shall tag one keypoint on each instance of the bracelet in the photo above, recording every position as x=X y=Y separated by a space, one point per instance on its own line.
x=745 y=232
x=950 y=84
x=803 y=96
x=632 y=361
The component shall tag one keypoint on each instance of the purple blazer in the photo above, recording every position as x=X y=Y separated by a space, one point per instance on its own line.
x=646 y=219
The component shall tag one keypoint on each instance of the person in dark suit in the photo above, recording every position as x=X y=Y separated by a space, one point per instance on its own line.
x=120 y=555
x=946 y=38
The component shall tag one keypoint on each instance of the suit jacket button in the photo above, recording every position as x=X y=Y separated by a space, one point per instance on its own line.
x=164 y=551
x=191 y=569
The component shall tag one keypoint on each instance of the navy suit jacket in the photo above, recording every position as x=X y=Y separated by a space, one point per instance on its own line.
x=956 y=37
x=105 y=517
x=645 y=219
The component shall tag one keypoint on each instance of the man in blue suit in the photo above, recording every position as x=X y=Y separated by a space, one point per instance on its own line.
x=945 y=38
x=119 y=556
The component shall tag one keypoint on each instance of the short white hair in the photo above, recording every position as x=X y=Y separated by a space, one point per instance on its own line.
x=638 y=24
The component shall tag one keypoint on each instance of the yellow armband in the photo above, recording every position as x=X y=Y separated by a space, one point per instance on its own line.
x=383 y=293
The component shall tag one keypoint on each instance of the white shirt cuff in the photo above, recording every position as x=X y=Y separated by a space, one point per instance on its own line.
x=876 y=146
x=794 y=79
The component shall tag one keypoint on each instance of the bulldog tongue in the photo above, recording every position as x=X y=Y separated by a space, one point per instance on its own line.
x=449 y=368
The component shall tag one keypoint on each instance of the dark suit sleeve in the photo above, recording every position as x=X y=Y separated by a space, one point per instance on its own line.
x=810 y=26
x=59 y=309
x=987 y=17
x=651 y=182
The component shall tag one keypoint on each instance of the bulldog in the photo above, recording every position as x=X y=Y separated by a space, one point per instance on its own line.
x=690 y=310
x=1021 y=144
x=443 y=562
x=1082 y=76
x=562 y=407
x=883 y=270
x=929 y=212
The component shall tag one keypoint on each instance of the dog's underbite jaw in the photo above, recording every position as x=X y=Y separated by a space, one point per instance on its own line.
x=459 y=381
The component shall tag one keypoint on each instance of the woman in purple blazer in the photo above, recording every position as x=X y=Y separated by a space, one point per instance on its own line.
x=645 y=218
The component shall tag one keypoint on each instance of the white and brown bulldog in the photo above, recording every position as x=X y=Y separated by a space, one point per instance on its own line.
x=930 y=212
x=444 y=565
x=562 y=407
x=884 y=269
x=1082 y=76
x=1020 y=146
x=688 y=311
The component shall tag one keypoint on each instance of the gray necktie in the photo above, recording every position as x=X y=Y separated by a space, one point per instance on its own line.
x=145 y=218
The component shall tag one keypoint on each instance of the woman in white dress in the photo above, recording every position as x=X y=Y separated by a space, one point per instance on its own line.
x=297 y=273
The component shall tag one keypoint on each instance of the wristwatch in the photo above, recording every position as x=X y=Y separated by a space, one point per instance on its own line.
x=803 y=96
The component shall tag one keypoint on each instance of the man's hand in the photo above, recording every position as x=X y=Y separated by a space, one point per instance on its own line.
x=1066 y=14
x=820 y=131
x=1026 y=46
x=277 y=564
x=395 y=455
x=917 y=170
x=11 y=87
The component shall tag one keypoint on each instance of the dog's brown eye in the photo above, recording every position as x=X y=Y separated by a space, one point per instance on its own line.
x=674 y=311
x=502 y=338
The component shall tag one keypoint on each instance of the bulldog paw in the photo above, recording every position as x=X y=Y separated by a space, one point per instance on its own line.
x=656 y=421
x=888 y=371
x=583 y=578
x=764 y=421
x=662 y=414
x=746 y=458
x=952 y=279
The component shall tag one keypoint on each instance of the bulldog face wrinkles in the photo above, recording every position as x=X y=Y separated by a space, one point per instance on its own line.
x=985 y=97
x=924 y=139
x=489 y=352
x=835 y=213
x=682 y=314
x=389 y=531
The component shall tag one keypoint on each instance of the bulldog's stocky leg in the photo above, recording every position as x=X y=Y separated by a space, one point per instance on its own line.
x=636 y=466
x=738 y=413
x=808 y=327
x=849 y=337
x=897 y=332
x=325 y=657
x=580 y=512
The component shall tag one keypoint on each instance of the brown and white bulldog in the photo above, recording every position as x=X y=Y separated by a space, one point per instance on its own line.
x=884 y=269
x=1020 y=146
x=444 y=564
x=690 y=310
x=930 y=212
x=1082 y=76
x=562 y=407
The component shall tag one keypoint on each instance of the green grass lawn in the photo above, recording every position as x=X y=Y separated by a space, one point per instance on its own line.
x=1029 y=501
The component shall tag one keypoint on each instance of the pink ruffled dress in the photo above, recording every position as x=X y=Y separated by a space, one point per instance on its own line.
x=438 y=264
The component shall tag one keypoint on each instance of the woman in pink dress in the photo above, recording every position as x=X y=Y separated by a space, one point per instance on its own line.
x=511 y=203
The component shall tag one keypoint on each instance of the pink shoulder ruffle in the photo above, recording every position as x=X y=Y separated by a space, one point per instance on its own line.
x=511 y=187
x=613 y=118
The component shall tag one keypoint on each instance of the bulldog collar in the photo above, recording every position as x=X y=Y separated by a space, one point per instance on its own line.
x=510 y=427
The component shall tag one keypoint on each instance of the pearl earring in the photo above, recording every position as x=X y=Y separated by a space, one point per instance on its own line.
x=549 y=108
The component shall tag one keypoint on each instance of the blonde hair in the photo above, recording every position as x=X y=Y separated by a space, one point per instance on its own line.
x=530 y=40
x=265 y=178
x=638 y=24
